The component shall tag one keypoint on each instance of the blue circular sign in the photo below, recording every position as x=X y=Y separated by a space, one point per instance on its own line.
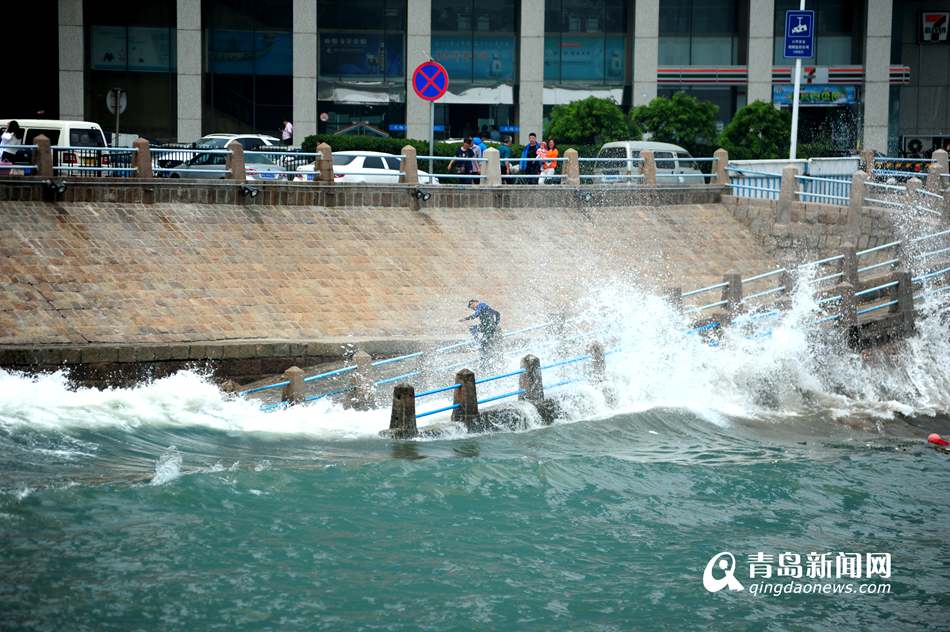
x=430 y=80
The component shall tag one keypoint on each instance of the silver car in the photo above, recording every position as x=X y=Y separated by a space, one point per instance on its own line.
x=214 y=165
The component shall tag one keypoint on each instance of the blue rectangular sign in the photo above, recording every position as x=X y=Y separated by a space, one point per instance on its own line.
x=799 y=34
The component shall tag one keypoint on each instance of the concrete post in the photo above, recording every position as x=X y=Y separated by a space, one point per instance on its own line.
x=787 y=197
x=646 y=50
x=933 y=177
x=722 y=161
x=940 y=158
x=530 y=101
x=847 y=307
x=905 y=302
x=572 y=168
x=402 y=421
x=597 y=369
x=325 y=164
x=849 y=265
x=913 y=185
x=294 y=391
x=648 y=168
x=856 y=202
x=877 y=63
x=43 y=158
x=946 y=204
x=491 y=170
x=143 y=158
x=235 y=161
x=788 y=281
x=362 y=380
x=408 y=166
x=761 y=27
x=867 y=159
x=70 y=45
x=674 y=296
x=466 y=397
x=732 y=293
x=188 y=55
x=530 y=380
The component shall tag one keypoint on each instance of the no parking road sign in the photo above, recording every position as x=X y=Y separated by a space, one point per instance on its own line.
x=430 y=80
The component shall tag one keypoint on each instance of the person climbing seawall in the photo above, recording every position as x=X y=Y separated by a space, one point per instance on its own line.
x=486 y=331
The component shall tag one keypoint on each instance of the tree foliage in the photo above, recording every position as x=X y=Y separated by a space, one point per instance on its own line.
x=757 y=131
x=681 y=119
x=590 y=121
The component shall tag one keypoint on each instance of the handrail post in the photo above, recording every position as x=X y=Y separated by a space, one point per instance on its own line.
x=849 y=265
x=946 y=204
x=597 y=369
x=674 y=296
x=648 y=167
x=932 y=183
x=789 y=282
x=530 y=381
x=235 y=161
x=466 y=398
x=143 y=158
x=722 y=161
x=787 y=196
x=43 y=158
x=905 y=302
x=856 y=203
x=294 y=391
x=409 y=166
x=362 y=382
x=402 y=421
x=867 y=157
x=732 y=293
x=847 y=308
x=913 y=185
x=491 y=173
x=325 y=164
x=572 y=168
x=940 y=158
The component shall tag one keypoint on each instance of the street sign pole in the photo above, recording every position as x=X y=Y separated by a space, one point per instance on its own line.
x=793 y=146
x=430 y=81
x=431 y=135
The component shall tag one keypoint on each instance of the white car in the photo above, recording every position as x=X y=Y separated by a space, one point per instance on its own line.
x=361 y=167
x=166 y=158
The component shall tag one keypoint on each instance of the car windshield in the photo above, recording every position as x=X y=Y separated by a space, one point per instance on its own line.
x=339 y=161
x=686 y=161
x=212 y=143
x=88 y=137
x=257 y=159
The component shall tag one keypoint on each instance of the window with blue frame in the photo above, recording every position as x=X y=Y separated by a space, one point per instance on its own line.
x=475 y=40
x=585 y=41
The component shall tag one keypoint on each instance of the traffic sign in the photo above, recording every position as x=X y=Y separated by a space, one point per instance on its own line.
x=799 y=34
x=430 y=80
x=117 y=100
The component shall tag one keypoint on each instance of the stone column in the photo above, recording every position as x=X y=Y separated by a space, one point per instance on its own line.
x=572 y=168
x=408 y=166
x=294 y=391
x=418 y=50
x=647 y=168
x=304 y=116
x=761 y=32
x=143 y=158
x=722 y=161
x=905 y=302
x=787 y=197
x=847 y=307
x=530 y=381
x=940 y=158
x=732 y=293
x=466 y=398
x=856 y=203
x=43 y=157
x=402 y=420
x=235 y=161
x=877 y=63
x=71 y=61
x=189 y=54
x=646 y=50
x=324 y=164
x=531 y=70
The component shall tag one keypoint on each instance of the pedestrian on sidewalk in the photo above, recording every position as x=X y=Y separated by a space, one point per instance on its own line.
x=530 y=165
x=463 y=163
x=550 y=165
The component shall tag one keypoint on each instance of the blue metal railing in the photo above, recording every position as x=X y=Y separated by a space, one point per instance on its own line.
x=817 y=189
x=747 y=183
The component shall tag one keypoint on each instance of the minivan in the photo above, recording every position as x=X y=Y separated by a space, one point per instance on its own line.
x=74 y=134
x=617 y=162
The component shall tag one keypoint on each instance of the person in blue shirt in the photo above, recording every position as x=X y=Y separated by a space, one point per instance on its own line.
x=504 y=153
x=486 y=331
x=530 y=165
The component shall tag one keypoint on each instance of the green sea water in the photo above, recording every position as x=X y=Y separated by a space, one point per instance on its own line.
x=602 y=524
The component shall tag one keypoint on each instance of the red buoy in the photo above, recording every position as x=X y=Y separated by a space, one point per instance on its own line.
x=935 y=439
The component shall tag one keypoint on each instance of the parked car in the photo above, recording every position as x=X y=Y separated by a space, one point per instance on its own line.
x=360 y=167
x=617 y=162
x=76 y=135
x=171 y=157
x=256 y=166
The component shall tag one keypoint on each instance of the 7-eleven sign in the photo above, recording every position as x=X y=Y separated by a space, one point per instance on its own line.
x=935 y=26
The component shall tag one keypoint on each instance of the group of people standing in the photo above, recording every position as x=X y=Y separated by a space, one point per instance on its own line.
x=538 y=160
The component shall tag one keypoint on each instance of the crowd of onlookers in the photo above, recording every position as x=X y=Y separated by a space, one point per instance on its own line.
x=538 y=162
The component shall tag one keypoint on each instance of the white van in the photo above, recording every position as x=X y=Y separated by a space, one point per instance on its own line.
x=77 y=134
x=617 y=162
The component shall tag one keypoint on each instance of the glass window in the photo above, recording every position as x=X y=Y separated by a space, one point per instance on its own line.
x=839 y=31
x=339 y=161
x=474 y=39
x=373 y=162
x=33 y=132
x=685 y=161
x=88 y=137
x=664 y=159
x=585 y=41
x=700 y=32
x=362 y=40
x=392 y=163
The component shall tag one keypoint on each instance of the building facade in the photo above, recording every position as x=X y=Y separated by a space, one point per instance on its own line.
x=880 y=74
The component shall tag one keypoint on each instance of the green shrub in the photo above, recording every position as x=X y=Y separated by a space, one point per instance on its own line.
x=757 y=131
x=590 y=121
x=681 y=119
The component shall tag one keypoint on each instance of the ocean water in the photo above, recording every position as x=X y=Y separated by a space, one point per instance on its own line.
x=175 y=506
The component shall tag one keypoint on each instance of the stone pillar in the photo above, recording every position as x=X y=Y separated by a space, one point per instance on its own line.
x=905 y=302
x=946 y=204
x=530 y=88
x=294 y=391
x=72 y=58
x=408 y=166
x=189 y=56
x=363 y=382
x=143 y=158
x=761 y=29
x=235 y=161
x=324 y=164
x=597 y=369
x=530 y=381
x=674 y=296
x=788 y=281
x=787 y=197
x=732 y=293
x=466 y=397
x=402 y=421
x=847 y=307
x=856 y=203
x=722 y=161
x=867 y=158
x=932 y=183
x=304 y=115
x=648 y=168
x=877 y=79
x=646 y=50
x=913 y=185
x=43 y=157
x=418 y=50
x=849 y=265
x=940 y=158
x=572 y=168
x=491 y=170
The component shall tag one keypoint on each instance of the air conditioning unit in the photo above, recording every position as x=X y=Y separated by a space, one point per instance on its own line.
x=915 y=146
